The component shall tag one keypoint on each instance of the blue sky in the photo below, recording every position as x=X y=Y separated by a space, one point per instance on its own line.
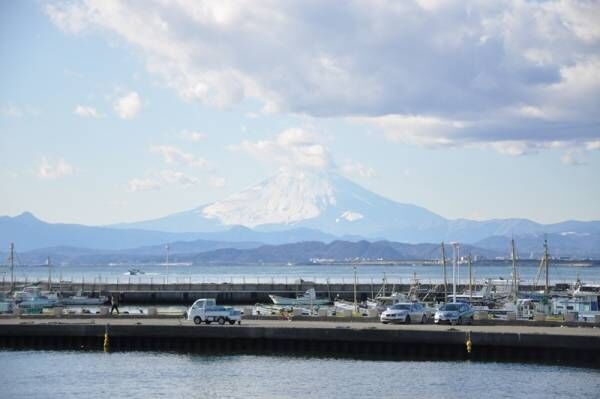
x=113 y=112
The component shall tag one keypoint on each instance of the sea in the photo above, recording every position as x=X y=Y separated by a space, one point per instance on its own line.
x=528 y=272
x=97 y=375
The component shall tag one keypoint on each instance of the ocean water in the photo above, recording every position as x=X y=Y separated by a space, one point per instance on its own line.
x=93 y=375
x=404 y=273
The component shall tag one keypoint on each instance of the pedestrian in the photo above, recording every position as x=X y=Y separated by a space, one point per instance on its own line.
x=114 y=301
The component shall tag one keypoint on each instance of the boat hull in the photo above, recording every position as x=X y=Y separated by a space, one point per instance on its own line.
x=281 y=300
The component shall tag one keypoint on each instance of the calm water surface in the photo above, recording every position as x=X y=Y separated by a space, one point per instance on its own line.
x=157 y=274
x=90 y=375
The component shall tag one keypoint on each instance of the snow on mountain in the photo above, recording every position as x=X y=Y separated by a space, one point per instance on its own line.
x=288 y=197
x=326 y=202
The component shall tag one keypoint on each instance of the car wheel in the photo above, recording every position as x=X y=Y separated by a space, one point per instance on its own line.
x=221 y=320
x=407 y=320
x=197 y=320
x=385 y=322
x=423 y=319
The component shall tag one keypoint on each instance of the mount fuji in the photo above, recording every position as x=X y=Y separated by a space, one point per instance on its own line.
x=331 y=203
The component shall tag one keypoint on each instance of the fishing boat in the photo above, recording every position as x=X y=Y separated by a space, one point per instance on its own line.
x=33 y=298
x=307 y=298
x=81 y=299
x=134 y=272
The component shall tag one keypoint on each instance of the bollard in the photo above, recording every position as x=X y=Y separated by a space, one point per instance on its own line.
x=106 y=341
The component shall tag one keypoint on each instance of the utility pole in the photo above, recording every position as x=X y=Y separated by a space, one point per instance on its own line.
x=11 y=260
x=445 y=276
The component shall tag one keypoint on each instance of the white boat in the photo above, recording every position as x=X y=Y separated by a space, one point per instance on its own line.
x=81 y=299
x=32 y=297
x=134 y=272
x=308 y=298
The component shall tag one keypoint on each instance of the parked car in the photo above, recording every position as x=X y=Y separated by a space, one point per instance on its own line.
x=404 y=313
x=454 y=313
x=206 y=310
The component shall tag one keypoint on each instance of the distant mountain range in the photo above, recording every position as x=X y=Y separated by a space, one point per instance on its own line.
x=29 y=232
x=336 y=206
x=294 y=207
x=205 y=252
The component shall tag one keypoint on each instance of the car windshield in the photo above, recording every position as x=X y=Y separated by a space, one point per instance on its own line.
x=401 y=306
x=451 y=307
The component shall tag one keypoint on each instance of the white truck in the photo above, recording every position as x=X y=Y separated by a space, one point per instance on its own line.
x=206 y=310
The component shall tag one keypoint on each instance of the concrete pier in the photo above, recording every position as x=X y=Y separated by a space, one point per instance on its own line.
x=577 y=346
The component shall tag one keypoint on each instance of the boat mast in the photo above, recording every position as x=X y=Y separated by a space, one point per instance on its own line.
x=355 y=303
x=514 y=271
x=470 y=280
x=445 y=276
x=11 y=260
x=167 y=248
x=546 y=265
x=49 y=273
x=454 y=264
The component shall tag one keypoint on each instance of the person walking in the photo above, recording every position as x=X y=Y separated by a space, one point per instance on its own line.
x=114 y=301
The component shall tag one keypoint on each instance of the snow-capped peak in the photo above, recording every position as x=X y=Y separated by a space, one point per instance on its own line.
x=349 y=216
x=288 y=197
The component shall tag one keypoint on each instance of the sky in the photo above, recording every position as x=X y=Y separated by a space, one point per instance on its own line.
x=125 y=111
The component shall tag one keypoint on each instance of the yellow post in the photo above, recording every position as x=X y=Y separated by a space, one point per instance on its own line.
x=106 y=340
x=469 y=344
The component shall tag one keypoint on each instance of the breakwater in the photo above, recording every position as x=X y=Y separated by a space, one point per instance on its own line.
x=368 y=340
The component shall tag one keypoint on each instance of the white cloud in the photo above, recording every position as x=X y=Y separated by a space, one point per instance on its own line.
x=128 y=106
x=86 y=111
x=358 y=169
x=293 y=147
x=162 y=179
x=592 y=145
x=506 y=70
x=179 y=178
x=147 y=184
x=174 y=155
x=11 y=111
x=61 y=169
x=574 y=158
x=216 y=181
x=193 y=136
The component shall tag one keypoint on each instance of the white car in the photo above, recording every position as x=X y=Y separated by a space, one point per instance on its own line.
x=404 y=313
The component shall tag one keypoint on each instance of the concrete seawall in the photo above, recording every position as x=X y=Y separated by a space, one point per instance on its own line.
x=578 y=346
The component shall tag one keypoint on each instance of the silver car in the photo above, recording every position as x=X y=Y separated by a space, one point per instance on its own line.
x=454 y=313
x=404 y=313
